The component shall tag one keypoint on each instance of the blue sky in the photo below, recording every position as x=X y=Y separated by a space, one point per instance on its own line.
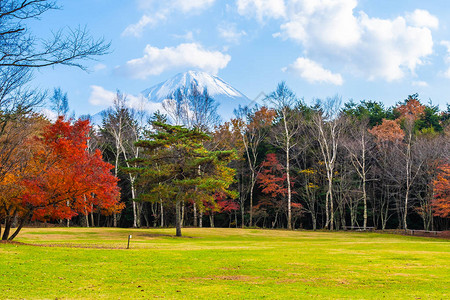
x=380 y=50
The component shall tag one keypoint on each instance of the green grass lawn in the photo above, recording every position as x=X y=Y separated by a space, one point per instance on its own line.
x=222 y=263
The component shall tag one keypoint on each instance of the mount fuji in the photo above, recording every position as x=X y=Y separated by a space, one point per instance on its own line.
x=226 y=96
x=223 y=93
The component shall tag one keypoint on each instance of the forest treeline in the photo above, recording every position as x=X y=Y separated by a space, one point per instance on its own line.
x=328 y=165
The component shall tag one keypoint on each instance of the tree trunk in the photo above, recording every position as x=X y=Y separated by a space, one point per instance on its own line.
x=86 y=215
x=327 y=204
x=211 y=220
x=364 y=179
x=178 y=217
x=251 y=199
x=331 y=211
x=8 y=222
x=288 y=176
x=405 y=225
x=134 y=213
x=408 y=180
x=195 y=215
x=162 y=213
x=314 y=221
x=116 y=171
x=92 y=215
x=139 y=208
x=200 y=220
x=22 y=222
x=182 y=213
x=242 y=215
x=288 y=179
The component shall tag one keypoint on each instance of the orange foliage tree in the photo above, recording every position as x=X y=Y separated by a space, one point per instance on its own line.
x=411 y=109
x=388 y=131
x=441 y=201
x=273 y=181
x=62 y=179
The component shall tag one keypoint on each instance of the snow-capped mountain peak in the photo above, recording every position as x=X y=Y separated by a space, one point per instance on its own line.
x=217 y=88
x=223 y=93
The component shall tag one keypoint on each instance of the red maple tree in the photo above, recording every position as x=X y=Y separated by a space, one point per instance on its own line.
x=63 y=179
x=226 y=204
x=273 y=181
x=272 y=178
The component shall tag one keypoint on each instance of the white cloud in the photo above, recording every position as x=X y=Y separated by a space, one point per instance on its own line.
x=157 y=11
x=101 y=97
x=230 y=34
x=99 y=67
x=190 y=5
x=420 y=83
x=146 y=4
x=188 y=36
x=49 y=114
x=262 y=8
x=334 y=31
x=322 y=22
x=389 y=48
x=446 y=44
x=313 y=72
x=192 y=55
x=446 y=74
x=141 y=103
x=105 y=98
x=422 y=18
x=145 y=21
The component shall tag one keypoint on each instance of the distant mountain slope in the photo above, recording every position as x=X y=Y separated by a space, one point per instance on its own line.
x=227 y=96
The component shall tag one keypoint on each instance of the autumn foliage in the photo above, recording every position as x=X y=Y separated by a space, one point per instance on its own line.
x=441 y=201
x=61 y=179
x=388 y=131
x=272 y=178
x=412 y=109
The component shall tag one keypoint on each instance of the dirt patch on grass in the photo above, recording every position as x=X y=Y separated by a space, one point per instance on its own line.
x=155 y=235
x=11 y=243
x=287 y=280
x=63 y=245
x=226 y=277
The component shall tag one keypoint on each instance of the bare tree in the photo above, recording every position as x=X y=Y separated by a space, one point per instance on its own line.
x=327 y=130
x=21 y=51
x=253 y=125
x=115 y=123
x=19 y=48
x=192 y=107
x=358 y=145
x=284 y=101
x=133 y=133
x=59 y=102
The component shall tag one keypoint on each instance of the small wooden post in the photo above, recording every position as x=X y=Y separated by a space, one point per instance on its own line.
x=129 y=238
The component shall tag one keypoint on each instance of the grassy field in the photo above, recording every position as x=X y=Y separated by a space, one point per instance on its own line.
x=222 y=263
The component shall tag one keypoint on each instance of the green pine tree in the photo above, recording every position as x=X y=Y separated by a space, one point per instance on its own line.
x=176 y=166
